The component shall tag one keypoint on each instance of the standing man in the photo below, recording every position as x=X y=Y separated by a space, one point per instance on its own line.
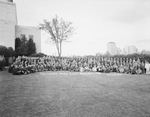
x=147 y=66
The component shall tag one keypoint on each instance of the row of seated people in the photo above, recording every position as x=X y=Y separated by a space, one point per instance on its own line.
x=27 y=65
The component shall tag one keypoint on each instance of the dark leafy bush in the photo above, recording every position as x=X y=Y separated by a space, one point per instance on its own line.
x=2 y=63
x=6 y=53
x=37 y=55
x=24 y=47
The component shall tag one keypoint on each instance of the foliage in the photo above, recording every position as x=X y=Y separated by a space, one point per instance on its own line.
x=11 y=52
x=24 y=47
x=7 y=52
x=37 y=55
x=3 y=51
x=107 y=54
x=59 y=31
x=17 y=45
x=31 y=47
x=2 y=62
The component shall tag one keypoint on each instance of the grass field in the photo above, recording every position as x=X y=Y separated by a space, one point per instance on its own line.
x=65 y=94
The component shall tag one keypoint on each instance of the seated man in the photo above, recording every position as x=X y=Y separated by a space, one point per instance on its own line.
x=99 y=68
x=10 y=70
x=16 y=70
x=94 y=69
x=126 y=69
x=139 y=71
x=121 y=69
x=104 y=68
x=133 y=70
x=115 y=68
x=81 y=69
x=86 y=68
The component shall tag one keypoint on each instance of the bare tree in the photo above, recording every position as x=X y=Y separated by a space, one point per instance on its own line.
x=59 y=31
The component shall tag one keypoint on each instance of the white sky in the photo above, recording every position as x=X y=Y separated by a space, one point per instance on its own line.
x=126 y=22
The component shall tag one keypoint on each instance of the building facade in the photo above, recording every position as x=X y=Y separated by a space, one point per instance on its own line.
x=8 y=21
x=130 y=50
x=111 y=48
x=30 y=32
x=126 y=50
x=9 y=28
x=119 y=51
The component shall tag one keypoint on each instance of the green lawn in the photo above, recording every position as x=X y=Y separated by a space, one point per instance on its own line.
x=56 y=94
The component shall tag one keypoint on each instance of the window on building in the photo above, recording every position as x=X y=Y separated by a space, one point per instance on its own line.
x=22 y=36
x=31 y=37
x=10 y=0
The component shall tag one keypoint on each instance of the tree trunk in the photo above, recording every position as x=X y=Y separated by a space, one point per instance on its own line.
x=57 y=47
x=60 y=48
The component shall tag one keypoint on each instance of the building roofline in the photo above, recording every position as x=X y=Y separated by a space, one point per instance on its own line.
x=5 y=2
x=111 y=42
x=31 y=27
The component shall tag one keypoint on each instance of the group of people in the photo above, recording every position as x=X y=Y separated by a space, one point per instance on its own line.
x=27 y=65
